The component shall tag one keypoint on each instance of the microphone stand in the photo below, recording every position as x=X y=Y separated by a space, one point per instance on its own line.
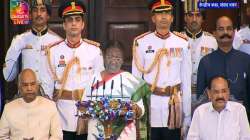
x=112 y=86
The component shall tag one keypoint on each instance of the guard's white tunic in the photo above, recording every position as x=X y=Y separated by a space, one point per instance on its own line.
x=200 y=47
x=91 y=61
x=175 y=68
x=32 y=48
x=242 y=40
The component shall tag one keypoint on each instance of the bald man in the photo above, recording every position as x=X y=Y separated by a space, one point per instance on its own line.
x=31 y=117
x=227 y=61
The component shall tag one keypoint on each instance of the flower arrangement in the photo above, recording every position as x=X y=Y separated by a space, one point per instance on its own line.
x=107 y=110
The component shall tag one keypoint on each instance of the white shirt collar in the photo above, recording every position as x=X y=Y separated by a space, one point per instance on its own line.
x=227 y=108
x=31 y=104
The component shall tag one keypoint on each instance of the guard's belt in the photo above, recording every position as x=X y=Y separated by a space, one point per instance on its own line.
x=168 y=91
x=69 y=95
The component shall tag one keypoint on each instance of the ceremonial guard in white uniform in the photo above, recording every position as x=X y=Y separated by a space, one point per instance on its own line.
x=31 y=46
x=242 y=37
x=242 y=40
x=163 y=60
x=200 y=42
x=73 y=62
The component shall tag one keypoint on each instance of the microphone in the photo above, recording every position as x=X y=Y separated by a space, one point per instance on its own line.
x=112 y=86
x=103 y=88
x=92 y=88
x=97 y=86
x=121 y=86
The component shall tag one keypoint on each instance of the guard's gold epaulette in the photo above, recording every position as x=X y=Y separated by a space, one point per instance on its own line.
x=142 y=35
x=27 y=31
x=97 y=44
x=181 y=35
x=52 y=32
x=16 y=36
x=207 y=33
x=55 y=43
x=21 y=34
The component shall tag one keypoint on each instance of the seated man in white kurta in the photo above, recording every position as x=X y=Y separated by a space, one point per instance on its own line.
x=119 y=85
x=31 y=117
x=219 y=119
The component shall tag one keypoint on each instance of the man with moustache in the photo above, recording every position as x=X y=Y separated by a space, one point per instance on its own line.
x=31 y=46
x=30 y=117
x=200 y=42
x=162 y=58
x=219 y=119
x=242 y=37
x=227 y=61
